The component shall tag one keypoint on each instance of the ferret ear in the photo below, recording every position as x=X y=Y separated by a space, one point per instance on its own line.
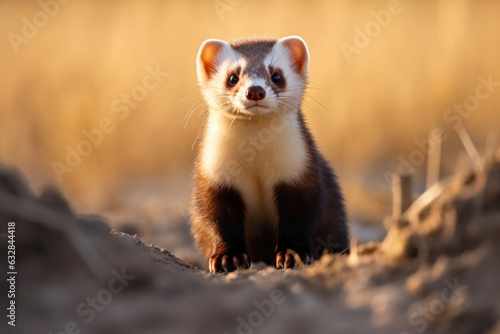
x=207 y=59
x=299 y=55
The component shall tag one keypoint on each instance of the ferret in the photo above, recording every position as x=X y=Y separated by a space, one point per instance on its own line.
x=262 y=191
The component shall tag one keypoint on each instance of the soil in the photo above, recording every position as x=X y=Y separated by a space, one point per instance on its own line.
x=436 y=271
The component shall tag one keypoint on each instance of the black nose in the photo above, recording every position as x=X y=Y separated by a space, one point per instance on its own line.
x=255 y=93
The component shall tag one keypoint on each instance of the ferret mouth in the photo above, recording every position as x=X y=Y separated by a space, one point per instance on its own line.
x=249 y=109
x=255 y=107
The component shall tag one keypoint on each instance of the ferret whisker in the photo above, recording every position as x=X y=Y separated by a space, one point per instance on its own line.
x=193 y=109
x=310 y=96
x=230 y=125
x=306 y=104
x=198 y=102
x=198 y=135
x=190 y=113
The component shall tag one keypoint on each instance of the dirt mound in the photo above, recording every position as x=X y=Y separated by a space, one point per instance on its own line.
x=436 y=271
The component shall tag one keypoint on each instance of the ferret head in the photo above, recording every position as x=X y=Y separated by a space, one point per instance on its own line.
x=253 y=77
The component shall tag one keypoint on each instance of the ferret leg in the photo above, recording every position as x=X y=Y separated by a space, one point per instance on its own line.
x=298 y=209
x=223 y=219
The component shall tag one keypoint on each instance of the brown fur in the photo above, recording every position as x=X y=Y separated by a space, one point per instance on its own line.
x=310 y=207
x=314 y=197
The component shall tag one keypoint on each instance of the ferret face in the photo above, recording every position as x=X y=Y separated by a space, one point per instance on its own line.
x=253 y=77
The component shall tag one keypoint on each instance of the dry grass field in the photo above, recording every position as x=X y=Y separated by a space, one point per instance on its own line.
x=100 y=100
x=367 y=109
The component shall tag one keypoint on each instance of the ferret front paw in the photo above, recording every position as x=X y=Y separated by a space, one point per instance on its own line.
x=285 y=259
x=228 y=261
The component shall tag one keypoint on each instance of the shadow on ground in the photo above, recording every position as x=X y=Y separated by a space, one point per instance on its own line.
x=436 y=271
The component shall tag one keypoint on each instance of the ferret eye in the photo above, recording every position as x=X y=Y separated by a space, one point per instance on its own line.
x=233 y=79
x=276 y=78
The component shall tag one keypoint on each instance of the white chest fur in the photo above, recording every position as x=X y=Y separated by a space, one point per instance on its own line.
x=252 y=157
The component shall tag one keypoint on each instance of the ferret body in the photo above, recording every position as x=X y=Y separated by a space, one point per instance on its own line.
x=261 y=188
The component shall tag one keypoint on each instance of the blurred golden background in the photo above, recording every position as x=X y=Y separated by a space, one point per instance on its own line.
x=66 y=73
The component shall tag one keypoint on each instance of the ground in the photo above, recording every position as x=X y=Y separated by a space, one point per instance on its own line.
x=436 y=271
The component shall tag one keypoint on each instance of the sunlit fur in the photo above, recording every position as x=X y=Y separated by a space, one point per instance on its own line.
x=261 y=186
x=227 y=154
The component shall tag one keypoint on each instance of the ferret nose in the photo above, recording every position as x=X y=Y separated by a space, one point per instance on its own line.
x=255 y=93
